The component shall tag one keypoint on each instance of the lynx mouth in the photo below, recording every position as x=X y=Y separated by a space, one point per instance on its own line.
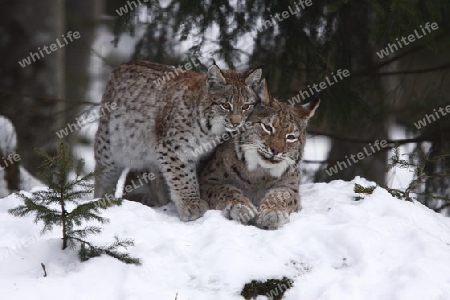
x=270 y=158
x=232 y=128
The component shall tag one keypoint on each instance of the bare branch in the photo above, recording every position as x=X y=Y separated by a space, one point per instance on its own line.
x=389 y=141
x=416 y=71
x=45 y=98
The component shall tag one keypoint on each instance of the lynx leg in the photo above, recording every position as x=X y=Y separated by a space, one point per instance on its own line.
x=276 y=207
x=181 y=178
x=230 y=200
x=106 y=181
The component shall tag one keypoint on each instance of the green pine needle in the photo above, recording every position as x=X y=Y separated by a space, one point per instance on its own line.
x=50 y=207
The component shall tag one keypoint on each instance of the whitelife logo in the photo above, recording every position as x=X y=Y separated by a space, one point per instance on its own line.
x=431 y=118
x=131 y=4
x=316 y=88
x=53 y=47
x=181 y=69
x=356 y=158
x=86 y=119
x=302 y=4
x=391 y=48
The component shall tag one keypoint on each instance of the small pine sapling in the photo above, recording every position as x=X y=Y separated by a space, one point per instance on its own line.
x=60 y=205
x=415 y=190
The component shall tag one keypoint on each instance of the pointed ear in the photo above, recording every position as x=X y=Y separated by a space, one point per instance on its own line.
x=263 y=93
x=215 y=76
x=307 y=110
x=253 y=77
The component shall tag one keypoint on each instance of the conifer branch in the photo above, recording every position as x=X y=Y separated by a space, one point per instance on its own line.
x=50 y=207
x=413 y=192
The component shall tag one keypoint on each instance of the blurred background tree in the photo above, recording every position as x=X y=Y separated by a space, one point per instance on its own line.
x=381 y=99
x=43 y=96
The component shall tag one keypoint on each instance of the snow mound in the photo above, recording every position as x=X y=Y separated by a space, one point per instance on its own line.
x=335 y=248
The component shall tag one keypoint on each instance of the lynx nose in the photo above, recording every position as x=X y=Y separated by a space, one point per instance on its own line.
x=276 y=148
x=273 y=151
x=235 y=120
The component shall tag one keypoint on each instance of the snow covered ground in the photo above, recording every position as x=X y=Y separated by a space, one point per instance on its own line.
x=335 y=249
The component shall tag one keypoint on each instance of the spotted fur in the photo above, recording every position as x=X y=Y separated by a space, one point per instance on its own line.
x=255 y=177
x=156 y=125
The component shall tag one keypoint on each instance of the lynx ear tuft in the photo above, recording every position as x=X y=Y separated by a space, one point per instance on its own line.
x=253 y=77
x=215 y=75
x=307 y=110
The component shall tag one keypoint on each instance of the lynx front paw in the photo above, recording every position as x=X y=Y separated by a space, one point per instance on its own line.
x=271 y=219
x=244 y=213
x=192 y=210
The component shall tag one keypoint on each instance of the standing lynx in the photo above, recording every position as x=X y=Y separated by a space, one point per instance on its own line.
x=157 y=125
x=255 y=177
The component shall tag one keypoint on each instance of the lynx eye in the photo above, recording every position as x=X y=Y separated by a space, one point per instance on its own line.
x=246 y=106
x=267 y=128
x=291 y=138
x=226 y=106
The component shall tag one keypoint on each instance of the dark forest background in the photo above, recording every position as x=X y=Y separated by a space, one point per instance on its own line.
x=379 y=96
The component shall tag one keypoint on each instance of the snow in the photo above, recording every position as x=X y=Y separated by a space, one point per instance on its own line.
x=335 y=248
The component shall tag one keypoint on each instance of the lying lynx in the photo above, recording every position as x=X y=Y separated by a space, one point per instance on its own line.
x=255 y=177
x=157 y=125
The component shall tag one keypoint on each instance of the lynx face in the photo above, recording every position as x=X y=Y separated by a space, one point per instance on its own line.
x=277 y=137
x=232 y=97
x=255 y=177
